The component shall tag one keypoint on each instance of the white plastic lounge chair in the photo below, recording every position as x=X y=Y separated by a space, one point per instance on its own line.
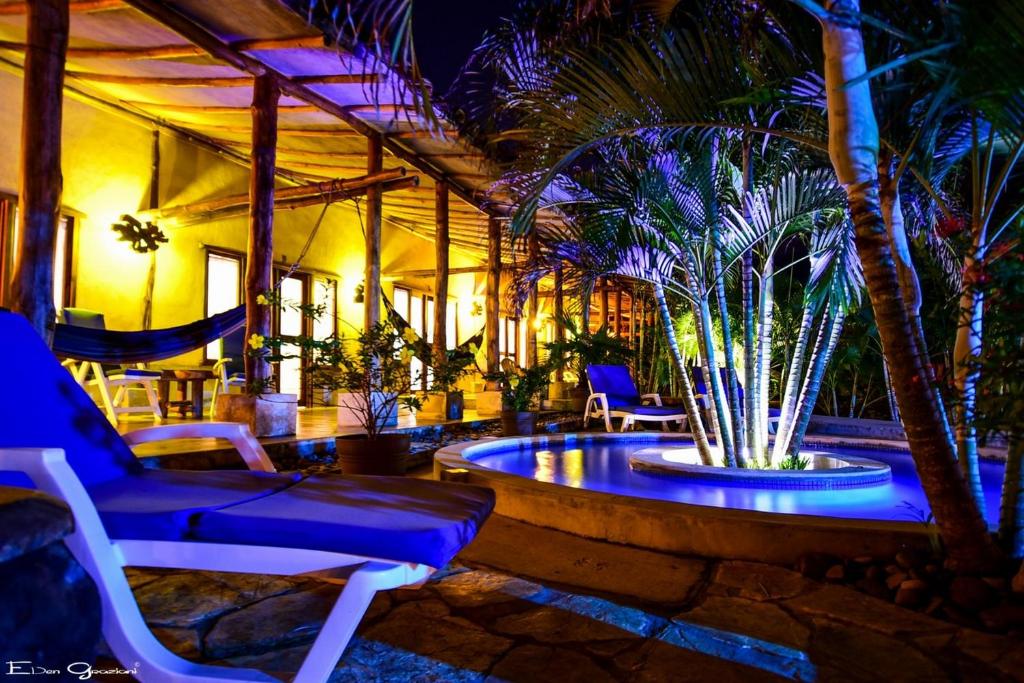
x=229 y=371
x=703 y=395
x=613 y=394
x=113 y=383
x=383 y=532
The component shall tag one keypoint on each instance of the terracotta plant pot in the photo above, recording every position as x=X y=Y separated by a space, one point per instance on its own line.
x=514 y=423
x=432 y=406
x=455 y=405
x=385 y=455
x=266 y=415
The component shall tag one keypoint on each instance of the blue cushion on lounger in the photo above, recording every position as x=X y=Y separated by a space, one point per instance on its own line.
x=614 y=381
x=159 y=505
x=43 y=407
x=652 y=410
x=389 y=518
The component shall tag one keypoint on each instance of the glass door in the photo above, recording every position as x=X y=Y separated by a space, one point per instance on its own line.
x=289 y=321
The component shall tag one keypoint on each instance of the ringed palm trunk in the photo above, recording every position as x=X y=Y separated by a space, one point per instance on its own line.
x=968 y=344
x=828 y=338
x=764 y=357
x=789 y=399
x=853 y=147
x=749 y=344
x=716 y=387
x=700 y=437
x=1011 y=507
x=711 y=398
x=732 y=380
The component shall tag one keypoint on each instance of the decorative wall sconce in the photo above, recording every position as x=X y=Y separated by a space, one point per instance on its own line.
x=143 y=238
x=477 y=310
x=360 y=293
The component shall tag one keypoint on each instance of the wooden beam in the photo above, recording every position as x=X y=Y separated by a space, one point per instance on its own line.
x=320 y=132
x=209 y=206
x=188 y=29
x=125 y=53
x=39 y=168
x=336 y=79
x=493 y=298
x=294 y=203
x=441 y=243
x=371 y=271
x=260 y=252
x=259 y=44
x=618 y=312
x=10 y=8
x=215 y=109
x=164 y=81
x=429 y=272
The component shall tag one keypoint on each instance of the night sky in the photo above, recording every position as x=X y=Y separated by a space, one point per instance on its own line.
x=447 y=31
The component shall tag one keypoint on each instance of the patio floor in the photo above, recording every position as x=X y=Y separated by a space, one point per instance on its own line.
x=532 y=605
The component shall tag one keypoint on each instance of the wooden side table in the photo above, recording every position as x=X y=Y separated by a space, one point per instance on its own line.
x=190 y=390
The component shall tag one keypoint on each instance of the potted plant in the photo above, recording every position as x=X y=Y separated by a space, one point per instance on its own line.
x=581 y=348
x=266 y=411
x=444 y=399
x=373 y=373
x=520 y=391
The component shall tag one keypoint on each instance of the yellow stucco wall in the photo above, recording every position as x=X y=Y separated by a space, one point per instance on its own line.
x=106 y=165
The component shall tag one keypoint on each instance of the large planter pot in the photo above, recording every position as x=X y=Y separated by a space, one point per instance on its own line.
x=432 y=406
x=515 y=423
x=455 y=405
x=350 y=412
x=266 y=414
x=385 y=455
x=488 y=403
x=578 y=396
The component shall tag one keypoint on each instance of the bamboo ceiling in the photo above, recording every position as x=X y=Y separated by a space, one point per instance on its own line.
x=188 y=66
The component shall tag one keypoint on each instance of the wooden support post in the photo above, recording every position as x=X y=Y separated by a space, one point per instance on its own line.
x=41 y=180
x=559 y=312
x=441 y=274
x=603 y=305
x=532 y=352
x=374 y=204
x=260 y=255
x=493 y=305
x=632 y=317
x=618 y=312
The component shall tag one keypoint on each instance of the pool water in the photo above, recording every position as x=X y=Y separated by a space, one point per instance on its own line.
x=598 y=466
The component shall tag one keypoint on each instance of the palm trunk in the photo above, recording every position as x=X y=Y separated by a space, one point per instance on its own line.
x=853 y=147
x=710 y=398
x=717 y=389
x=732 y=381
x=968 y=344
x=789 y=399
x=892 y=215
x=1011 y=505
x=828 y=339
x=700 y=437
x=764 y=357
x=890 y=395
x=749 y=330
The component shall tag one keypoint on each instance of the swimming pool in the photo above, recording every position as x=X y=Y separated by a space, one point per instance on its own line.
x=601 y=464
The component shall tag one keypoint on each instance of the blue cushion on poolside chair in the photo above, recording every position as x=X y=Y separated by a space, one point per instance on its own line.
x=133 y=372
x=160 y=505
x=408 y=520
x=43 y=406
x=653 y=410
x=615 y=382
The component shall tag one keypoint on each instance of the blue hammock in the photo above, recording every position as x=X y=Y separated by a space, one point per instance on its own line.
x=401 y=325
x=121 y=347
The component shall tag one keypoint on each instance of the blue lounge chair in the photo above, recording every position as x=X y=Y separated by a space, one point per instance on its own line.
x=614 y=394
x=700 y=389
x=381 y=532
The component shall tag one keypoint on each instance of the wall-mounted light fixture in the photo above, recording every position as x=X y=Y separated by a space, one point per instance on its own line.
x=143 y=238
x=360 y=294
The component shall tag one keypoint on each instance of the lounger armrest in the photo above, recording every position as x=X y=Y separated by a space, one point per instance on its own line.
x=599 y=398
x=235 y=432
x=652 y=397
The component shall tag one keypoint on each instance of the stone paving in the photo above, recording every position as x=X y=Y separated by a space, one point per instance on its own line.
x=738 y=621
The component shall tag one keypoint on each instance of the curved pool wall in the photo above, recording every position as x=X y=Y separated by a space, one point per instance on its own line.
x=582 y=484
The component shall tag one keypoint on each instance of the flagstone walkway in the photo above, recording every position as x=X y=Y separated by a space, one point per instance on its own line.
x=709 y=621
